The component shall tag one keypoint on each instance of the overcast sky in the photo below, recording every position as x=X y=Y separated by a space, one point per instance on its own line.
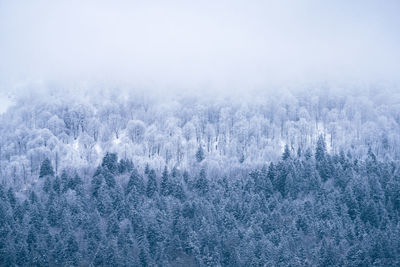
x=198 y=44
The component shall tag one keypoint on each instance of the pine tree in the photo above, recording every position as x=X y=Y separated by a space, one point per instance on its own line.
x=96 y=184
x=71 y=250
x=57 y=185
x=110 y=162
x=135 y=183
x=323 y=161
x=46 y=168
x=109 y=178
x=202 y=182
x=165 y=183
x=64 y=181
x=151 y=184
x=271 y=173
x=125 y=165
x=52 y=214
x=286 y=153
x=112 y=225
x=47 y=185
x=280 y=181
x=258 y=181
x=267 y=184
x=200 y=154
x=321 y=149
x=177 y=190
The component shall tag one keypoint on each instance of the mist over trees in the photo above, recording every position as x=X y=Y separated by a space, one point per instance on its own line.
x=295 y=178
x=199 y=133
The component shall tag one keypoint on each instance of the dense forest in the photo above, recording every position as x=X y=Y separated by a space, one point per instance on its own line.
x=293 y=179
x=200 y=133
x=307 y=209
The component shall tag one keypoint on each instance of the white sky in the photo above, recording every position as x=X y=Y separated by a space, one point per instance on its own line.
x=197 y=44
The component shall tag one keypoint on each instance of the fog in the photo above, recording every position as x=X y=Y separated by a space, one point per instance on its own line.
x=219 y=46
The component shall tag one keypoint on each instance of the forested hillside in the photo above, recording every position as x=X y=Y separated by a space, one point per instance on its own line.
x=310 y=178
x=307 y=209
x=200 y=133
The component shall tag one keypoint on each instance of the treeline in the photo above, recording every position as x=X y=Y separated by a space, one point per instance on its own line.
x=310 y=208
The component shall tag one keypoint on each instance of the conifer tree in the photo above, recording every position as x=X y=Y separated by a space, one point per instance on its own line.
x=165 y=183
x=286 y=153
x=135 y=183
x=321 y=149
x=202 y=182
x=151 y=183
x=200 y=154
x=46 y=168
x=110 y=162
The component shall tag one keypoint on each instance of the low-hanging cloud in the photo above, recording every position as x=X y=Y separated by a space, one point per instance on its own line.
x=198 y=44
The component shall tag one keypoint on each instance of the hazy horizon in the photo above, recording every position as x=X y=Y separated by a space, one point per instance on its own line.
x=178 y=46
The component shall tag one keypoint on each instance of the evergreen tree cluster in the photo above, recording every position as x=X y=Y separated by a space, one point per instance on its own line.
x=304 y=210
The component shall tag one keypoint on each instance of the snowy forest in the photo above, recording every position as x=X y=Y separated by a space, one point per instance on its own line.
x=295 y=178
x=200 y=133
